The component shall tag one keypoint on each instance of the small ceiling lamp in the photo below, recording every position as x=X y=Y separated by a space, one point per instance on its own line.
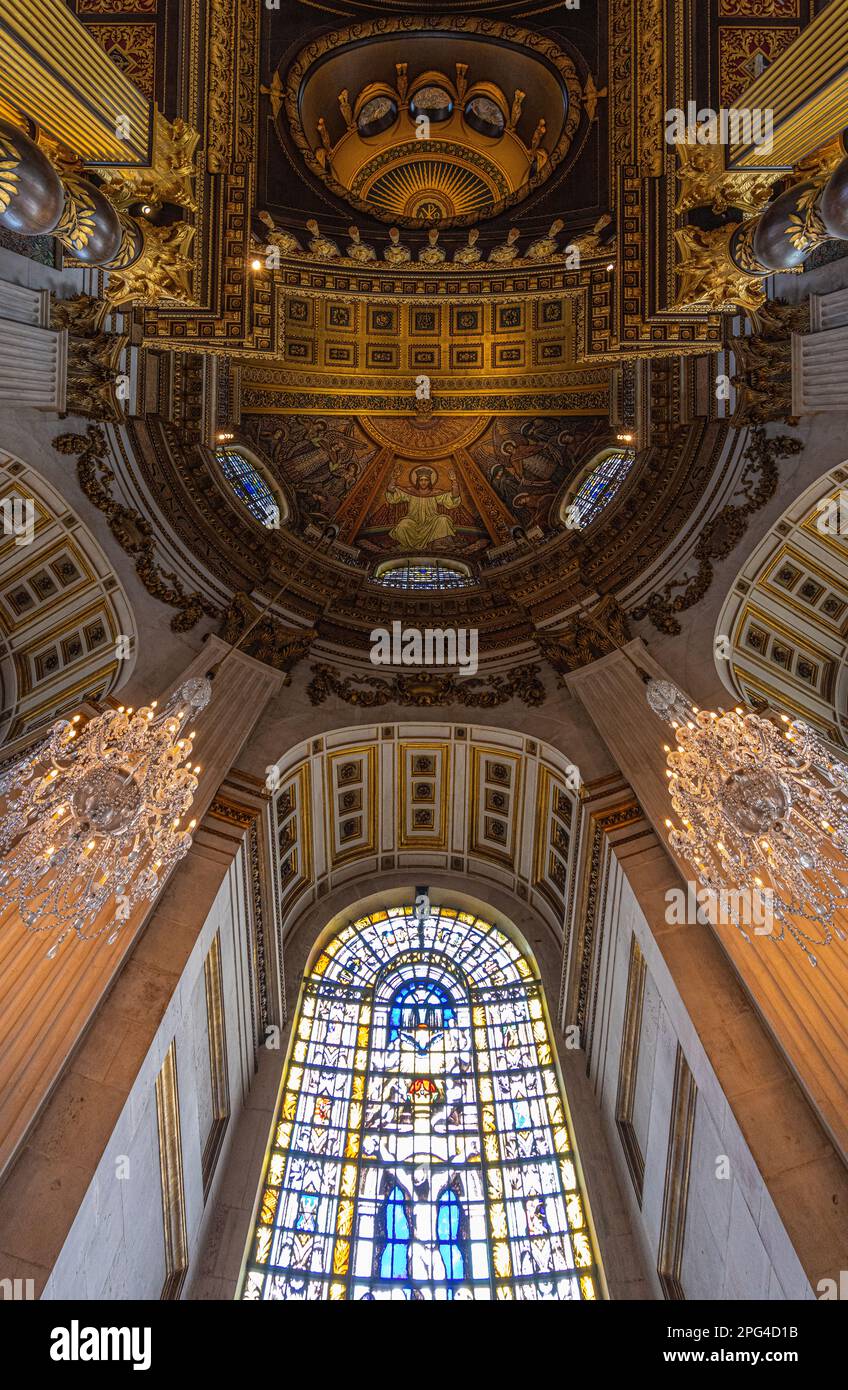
x=763 y=810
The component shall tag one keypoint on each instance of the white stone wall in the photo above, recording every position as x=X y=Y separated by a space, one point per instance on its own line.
x=116 y=1246
x=735 y=1246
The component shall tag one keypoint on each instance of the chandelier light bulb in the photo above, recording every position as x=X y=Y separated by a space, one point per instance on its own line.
x=97 y=835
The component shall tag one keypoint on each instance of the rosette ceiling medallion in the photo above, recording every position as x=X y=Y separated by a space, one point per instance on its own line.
x=391 y=128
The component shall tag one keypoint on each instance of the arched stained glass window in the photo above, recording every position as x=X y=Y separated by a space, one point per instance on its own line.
x=421 y=1148
x=250 y=486
x=598 y=488
x=423 y=574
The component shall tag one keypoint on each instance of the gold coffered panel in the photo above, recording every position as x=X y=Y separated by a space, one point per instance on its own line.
x=425 y=779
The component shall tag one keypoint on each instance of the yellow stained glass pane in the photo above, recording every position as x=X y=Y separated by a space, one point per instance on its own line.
x=321 y=964
x=569 y=1177
x=482 y=1061
x=299 y=1053
x=523 y=969
x=501 y=1260
x=505 y=1293
x=349 y=1180
x=344 y=1220
x=490 y=1148
x=263 y=1244
x=555 y=1113
x=289 y=1111
x=276 y=1168
x=480 y=1038
x=561 y=1140
x=478 y=1016
x=496 y=1188
x=587 y=1286
x=574 y=1210
x=338 y=1292
x=489 y=1121
x=284 y=1132
x=358 y=1088
x=486 y=1089
x=365 y=1013
x=543 y=1052
x=467 y=917
x=304 y=1028
x=360 y=1060
x=540 y=1032
x=535 y=1007
x=355 y=1117
x=307 y=1008
x=362 y=1037
x=352 y=1146
x=582 y=1249
x=497 y=1216
x=551 y=1083
x=268 y=1206
x=295 y=1078
x=341 y=1257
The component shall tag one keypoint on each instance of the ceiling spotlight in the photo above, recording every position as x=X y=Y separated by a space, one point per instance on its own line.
x=624 y=438
x=256 y=264
x=611 y=266
x=146 y=209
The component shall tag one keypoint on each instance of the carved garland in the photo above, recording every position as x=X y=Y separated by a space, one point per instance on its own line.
x=131 y=530
x=722 y=532
x=426 y=690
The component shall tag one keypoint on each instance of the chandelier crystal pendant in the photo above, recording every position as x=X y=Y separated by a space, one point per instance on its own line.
x=763 y=808
x=92 y=816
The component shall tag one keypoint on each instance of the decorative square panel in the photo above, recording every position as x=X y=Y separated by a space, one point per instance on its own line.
x=425 y=358
x=382 y=318
x=742 y=50
x=495 y=798
x=508 y=354
x=351 y=783
x=547 y=353
x=466 y=358
x=300 y=350
x=550 y=313
x=300 y=312
x=509 y=318
x=340 y=354
x=426 y=320
x=466 y=318
x=425 y=784
x=383 y=357
x=341 y=317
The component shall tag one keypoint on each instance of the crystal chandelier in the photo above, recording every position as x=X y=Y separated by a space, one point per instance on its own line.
x=763 y=810
x=93 y=816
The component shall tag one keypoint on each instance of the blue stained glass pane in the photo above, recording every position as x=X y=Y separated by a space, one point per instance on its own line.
x=395 y=1258
x=600 y=487
x=447 y=1231
x=249 y=486
x=428 y=574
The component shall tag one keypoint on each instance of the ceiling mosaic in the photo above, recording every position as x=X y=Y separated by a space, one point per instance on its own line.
x=449 y=485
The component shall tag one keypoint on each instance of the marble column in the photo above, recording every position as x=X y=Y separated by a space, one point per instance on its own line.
x=803 y=1007
x=47 y=1005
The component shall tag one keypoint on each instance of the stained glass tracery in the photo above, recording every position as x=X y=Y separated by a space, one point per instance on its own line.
x=250 y=487
x=421 y=1148
x=423 y=574
x=600 y=486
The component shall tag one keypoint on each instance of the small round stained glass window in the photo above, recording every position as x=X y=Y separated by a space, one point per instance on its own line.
x=250 y=487
x=485 y=116
x=434 y=102
x=377 y=115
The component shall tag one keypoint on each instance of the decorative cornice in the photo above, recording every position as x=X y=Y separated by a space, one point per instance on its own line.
x=427 y=689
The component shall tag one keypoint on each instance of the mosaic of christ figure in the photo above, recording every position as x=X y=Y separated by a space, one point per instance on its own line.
x=423 y=523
